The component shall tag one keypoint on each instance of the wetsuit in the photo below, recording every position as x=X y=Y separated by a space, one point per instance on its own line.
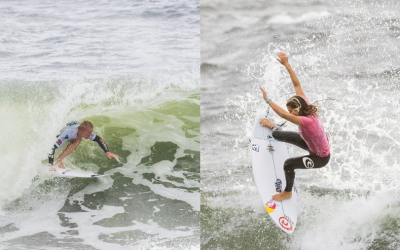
x=70 y=132
x=303 y=162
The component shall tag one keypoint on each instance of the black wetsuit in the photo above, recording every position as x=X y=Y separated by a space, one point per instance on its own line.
x=303 y=162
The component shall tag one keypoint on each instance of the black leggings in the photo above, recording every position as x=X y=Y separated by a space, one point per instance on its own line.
x=303 y=162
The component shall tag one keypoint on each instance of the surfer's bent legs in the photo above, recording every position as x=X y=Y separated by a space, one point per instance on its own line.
x=303 y=162
x=73 y=144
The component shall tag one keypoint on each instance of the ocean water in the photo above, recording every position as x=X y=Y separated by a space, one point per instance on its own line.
x=346 y=56
x=79 y=39
x=132 y=69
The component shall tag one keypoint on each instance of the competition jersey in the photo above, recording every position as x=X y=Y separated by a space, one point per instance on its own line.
x=70 y=132
x=313 y=133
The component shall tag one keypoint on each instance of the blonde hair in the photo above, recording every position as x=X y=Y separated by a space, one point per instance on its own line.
x=300 y=105
x=85 y=125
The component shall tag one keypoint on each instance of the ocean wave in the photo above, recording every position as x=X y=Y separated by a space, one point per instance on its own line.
x=36 y=111
x=151 y=122
x=287 y=19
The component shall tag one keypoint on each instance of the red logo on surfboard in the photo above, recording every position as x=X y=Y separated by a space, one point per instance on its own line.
x=271 y=148
x=270 y=206
x=285 y=224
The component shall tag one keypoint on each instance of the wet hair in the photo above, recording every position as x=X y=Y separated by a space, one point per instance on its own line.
x=85 y=125
x=302 y=107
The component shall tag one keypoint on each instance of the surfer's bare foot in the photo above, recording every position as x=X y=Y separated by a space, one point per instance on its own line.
x=267 y=123
x=60 y=164
x=282 y=196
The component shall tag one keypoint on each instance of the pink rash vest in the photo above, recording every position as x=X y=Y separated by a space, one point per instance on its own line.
x=313 y=133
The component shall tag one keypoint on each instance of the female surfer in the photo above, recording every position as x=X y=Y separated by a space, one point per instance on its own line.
x=311 y=136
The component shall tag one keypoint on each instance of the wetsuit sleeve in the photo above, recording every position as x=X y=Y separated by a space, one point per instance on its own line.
x=101 y=143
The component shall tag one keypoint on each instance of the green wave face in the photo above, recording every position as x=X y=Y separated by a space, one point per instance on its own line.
x=158 y=151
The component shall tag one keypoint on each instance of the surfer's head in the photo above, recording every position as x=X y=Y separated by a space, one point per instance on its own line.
x=85 y=129
x=299 y=107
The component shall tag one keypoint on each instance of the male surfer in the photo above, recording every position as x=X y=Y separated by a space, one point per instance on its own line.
x=74 y=132
x=311 y=136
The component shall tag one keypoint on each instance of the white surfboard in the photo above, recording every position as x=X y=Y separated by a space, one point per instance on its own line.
x=76 y=173
x=268 y=157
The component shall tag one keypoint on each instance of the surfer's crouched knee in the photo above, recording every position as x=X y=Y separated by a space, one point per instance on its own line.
x=277 y=133
x=289 y=165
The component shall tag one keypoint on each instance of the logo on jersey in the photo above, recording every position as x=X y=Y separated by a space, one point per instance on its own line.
x=270 y=206
x=271 y=149
x=72 y=123
x=66 y=137
x=278 y=185
x=308 y=163
x=285 y=223
x=255 y=147
x=59 y=142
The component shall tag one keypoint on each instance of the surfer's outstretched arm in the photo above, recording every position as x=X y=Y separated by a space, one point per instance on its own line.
x=280 y=111
x=103 y=146
x=284 y=60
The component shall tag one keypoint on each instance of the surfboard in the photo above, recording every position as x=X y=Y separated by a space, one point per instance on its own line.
x=76 y=173
x=268 y=156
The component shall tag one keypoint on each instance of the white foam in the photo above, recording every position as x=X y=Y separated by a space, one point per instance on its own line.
x=306 y=17
x=344 y=223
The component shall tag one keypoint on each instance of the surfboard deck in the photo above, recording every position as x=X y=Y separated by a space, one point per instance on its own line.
x=268 y=157
x=76 y=173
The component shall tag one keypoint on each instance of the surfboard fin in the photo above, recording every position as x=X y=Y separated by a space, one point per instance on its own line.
x=279 y=126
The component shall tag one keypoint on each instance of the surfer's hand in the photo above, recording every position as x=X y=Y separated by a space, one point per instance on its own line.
x=109 y=155
x=267 y=123
x=283 y=58
x=264 y=93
